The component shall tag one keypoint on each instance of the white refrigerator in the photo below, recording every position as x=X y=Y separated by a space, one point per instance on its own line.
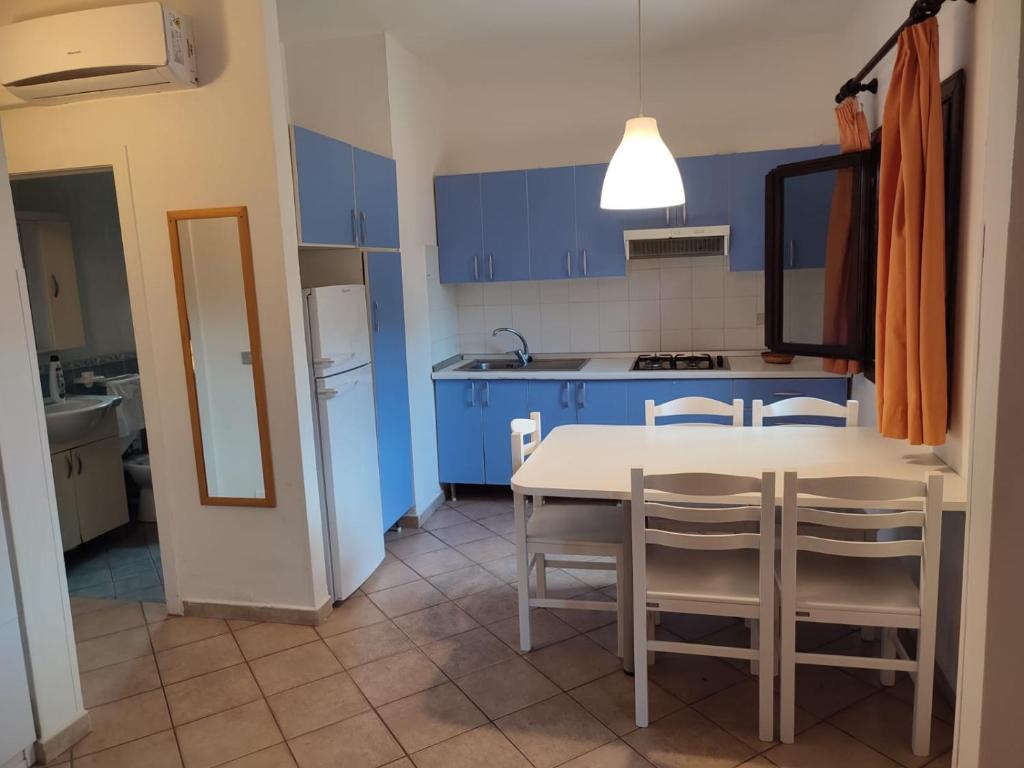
x=339 y=345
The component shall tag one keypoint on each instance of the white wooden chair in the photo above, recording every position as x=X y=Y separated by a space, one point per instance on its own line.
x=803 y=406
x=694 y=406
x=835 y=581
x=593 y=531
x=718 y=574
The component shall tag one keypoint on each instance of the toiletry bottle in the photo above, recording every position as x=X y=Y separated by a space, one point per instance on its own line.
x=57 y=390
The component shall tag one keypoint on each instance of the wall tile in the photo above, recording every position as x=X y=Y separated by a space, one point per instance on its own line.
x=741 y=283
x=739 y=312
x=471 y=320
x=613 y=288
x=644 y=285
x=613 y=317
x=676 y=340
x=583 y=324
x=644 y=341
x=707 y=313
x=497 y=293
x=555 y=331
x=743 y=338
x=583 y=290
x=644 y=315
x=554 y=291
x=676 y=283
x=676 y=314
x=708 y=339
x=614 y=341
x=524 y=293
x=469 y=294
x=708 y=282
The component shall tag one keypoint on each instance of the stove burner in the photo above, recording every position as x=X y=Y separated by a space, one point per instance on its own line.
x=694 y=361
x=654 y=363
x=668 y=362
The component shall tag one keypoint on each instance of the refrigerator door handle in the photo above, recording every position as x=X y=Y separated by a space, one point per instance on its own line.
x=326 y=394
x=323 y=362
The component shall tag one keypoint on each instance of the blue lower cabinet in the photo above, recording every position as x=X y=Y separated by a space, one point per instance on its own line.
x=663 y=390
x=460 y=431
x=601 y=402
x=555 y=401
x=769 y=391
x=500 y=402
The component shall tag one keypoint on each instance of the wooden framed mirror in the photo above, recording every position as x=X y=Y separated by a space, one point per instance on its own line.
x=220 y=341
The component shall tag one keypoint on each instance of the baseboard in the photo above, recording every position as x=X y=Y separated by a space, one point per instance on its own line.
x=312 y=617
x=417 y=519
x=49 y=749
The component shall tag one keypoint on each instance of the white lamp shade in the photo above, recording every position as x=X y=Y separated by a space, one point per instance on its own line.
x=642 y=173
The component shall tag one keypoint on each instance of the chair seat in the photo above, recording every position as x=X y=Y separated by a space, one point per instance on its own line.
x=727 y=576
x=876 y=585
x=583 y=523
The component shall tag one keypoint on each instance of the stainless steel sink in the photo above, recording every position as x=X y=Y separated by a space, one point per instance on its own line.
x=546 y=364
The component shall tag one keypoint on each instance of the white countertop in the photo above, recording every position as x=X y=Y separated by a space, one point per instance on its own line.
x=742 y=365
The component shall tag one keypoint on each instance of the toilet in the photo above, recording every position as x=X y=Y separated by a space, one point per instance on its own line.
x=130 y=424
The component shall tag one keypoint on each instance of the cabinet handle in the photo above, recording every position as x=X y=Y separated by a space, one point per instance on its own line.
x=376 y=316
x=78 y=462
x=472 y=394
x=56 y=286
x=486 y=401
x=565 y=394
x=787 y=394
x=355 y=229
x=362 y=227
x=584 y=253
x=490 y=266
x=568 y=264
x=581 y=394
x=792 y=253
x=685 y=214
x=67 y=458
x=476 y=267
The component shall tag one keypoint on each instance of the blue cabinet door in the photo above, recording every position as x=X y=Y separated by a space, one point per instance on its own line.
x=376 y=199
x=552 y=206
x=601 y=402
x=772 y=390
x=556 y=402
x=390 y=384
x=460 y=431
x=506 y=229
x=598 y=232
x=663 y=390
x=501 y=401
x=326 y=191
x=459 y=232
x=706 y=181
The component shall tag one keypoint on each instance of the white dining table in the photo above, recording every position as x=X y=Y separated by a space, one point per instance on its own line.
x=594 y=462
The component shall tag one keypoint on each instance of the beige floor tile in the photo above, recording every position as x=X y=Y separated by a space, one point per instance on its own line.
x=559 y=585
x=361 y=646
x=574 y=662
x=587 y=621
x=438 y=561
x=80 y=605
x=396 y=676
x=503 y=524
x=886 y=723
x=593 y=578
x=490 y=606
x=389 y=574
x=616 y=754
x=236 y=624
x=270 y=637
x=942 y=761
x=185 y=661
x=119 y=617
x=414 y=545
x=123 y=721
x=466 y=581
x=813 y=636
x=227 y=735
x=362 y=741
x=692 y=627
x=435 y=623
x=295 y=666
x=113 y=649
x=506 y=687
x=825 y=745
x=904 y=691
x=277 y=756
x=404 y=762
x=314 y=705
x=430 y=717
x=692 y=678
x=154 y=612
x=554 y=731
x=462 y=533
x=118 y=681
x=610 y=699
x=63 y=759
x=157 y=751
x=480 y=509
x=545 y=629
x=407 y=598
x=607 y=637
x=469 y=652
x=487 y=550
x=757 y=762
x=823 y=691
x=181 y=630
x=211 y=693
x=353 y=613
x=482 y=746
x=686 y=739
x=444 y=517
x=505 y=568
x=735 y=710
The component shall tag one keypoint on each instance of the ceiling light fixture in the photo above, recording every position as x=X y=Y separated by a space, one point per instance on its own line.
x=642 y=173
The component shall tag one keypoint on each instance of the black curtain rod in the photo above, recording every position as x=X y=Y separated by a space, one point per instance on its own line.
x=919 y=11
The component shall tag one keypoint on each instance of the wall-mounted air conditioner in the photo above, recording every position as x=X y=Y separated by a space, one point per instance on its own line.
x=124 y=49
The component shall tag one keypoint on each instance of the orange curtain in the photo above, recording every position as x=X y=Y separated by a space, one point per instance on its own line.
x=910 y=314
x=853 y=137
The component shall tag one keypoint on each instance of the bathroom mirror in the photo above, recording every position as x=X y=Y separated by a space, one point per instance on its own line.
x=220 y=338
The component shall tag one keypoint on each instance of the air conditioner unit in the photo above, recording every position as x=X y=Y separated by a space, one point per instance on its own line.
x=124 y=49
x=670 y=242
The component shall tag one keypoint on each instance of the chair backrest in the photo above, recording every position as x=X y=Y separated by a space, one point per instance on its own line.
x=804 y=406
x=694 y=406
x=521 y=447
x=803 y=499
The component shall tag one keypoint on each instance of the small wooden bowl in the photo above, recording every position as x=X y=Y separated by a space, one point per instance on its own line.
x=777 y=358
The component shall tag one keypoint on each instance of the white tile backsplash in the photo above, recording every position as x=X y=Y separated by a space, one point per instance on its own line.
x=668 y=304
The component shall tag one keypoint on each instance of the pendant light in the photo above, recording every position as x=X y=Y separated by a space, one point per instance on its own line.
x=642 y=173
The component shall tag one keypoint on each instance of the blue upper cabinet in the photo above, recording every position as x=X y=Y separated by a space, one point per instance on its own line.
x=552 y=207
x=390 y=384
x=325 y=189
x=706 y=181
x=376 y=199
x=459 y=229
x=504 y=219
x=598 y=232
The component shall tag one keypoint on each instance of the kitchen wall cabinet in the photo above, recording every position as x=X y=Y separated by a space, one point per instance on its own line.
x=598 y=231
x=706 y=181
x=89 y=485
x=52 y=282
x=552 y=217
x=390 y=383
x=376 y=184
x=459 y=228
x=505 y=226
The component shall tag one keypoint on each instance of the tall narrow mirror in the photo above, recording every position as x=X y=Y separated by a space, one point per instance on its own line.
x=220 y=339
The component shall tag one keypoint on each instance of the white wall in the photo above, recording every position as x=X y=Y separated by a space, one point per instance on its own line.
x=222 y=144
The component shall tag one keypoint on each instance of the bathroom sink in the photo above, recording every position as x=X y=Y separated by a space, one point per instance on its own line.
x=546 y=364
x=76 y=415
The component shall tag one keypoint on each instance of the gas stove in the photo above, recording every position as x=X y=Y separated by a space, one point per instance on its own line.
x=668 y=361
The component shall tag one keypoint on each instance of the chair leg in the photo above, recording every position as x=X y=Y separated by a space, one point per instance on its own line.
x=650 y=624
x=787 y=679
x=542 y=574
x=523 y=571
x=923 y=690
x=766 y=681
x=754 y=640
x=620 y=605
x=640 y=662
x=888 y=676
x=657 y=618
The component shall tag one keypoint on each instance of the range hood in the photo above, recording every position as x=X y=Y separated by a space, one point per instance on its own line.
x=672 y=242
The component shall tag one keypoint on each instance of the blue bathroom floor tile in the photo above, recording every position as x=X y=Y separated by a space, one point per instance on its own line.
x=133 y=569
x=135 y=583
x=90 y=578
x=147 y=595
x=98 y=590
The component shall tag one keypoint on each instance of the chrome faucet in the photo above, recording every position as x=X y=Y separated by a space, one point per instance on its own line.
x=524 y=353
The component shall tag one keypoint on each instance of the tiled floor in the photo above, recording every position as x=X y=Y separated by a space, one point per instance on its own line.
x=420 y=669
x=122 y=564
